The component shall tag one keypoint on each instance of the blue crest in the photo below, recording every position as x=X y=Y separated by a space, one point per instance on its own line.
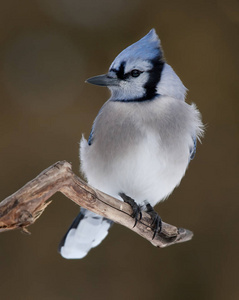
x=147 y=48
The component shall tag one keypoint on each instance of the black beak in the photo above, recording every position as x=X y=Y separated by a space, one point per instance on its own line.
x=103 y=80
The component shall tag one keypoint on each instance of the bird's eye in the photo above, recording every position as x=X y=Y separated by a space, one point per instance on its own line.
x=135 y=73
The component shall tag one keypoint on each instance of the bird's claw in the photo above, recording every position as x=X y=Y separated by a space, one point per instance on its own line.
x=137 y=214
x=157 y=221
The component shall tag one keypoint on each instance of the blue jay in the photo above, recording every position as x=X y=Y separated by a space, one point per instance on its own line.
x=141 y=141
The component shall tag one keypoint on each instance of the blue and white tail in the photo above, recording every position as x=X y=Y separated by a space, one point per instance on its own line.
x=87 y=231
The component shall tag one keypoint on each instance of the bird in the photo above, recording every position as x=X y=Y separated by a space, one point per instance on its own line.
x=141 y=141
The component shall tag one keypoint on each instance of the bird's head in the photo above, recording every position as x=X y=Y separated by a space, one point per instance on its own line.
x=139 y=73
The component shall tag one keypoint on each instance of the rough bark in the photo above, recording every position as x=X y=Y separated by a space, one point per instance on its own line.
x=22 y=208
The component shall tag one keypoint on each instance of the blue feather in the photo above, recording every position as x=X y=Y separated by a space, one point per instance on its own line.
x=193 y=148
x=90 y=139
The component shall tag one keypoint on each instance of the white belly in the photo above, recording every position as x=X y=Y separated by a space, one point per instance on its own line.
x=146 y=172
x=140 y=149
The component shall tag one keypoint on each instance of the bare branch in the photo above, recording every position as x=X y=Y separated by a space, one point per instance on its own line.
x=22 y=208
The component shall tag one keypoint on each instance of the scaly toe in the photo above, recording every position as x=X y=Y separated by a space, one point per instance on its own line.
x=137 y=214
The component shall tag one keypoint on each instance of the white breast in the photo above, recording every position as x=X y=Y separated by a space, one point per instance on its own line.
x=141 y=149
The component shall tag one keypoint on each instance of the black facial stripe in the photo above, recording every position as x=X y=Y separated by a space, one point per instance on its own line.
x=154 y=78
x=120 y=72
x=151 y=85
x=139 y=99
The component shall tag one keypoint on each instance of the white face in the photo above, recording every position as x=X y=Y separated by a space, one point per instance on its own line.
x=132 y=76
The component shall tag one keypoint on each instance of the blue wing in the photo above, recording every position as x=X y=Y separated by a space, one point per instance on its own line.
x=90 y=139
x=193 y=148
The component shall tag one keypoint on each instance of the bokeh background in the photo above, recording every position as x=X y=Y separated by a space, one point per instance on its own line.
x=47 y=50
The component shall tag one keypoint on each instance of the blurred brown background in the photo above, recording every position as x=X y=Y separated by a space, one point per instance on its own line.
x=47 y=49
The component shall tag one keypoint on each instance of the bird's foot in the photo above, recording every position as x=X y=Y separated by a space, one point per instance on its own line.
x=137 y=214
x=157 y=221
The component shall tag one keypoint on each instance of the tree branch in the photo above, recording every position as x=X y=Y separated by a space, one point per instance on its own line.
x=22 y=208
